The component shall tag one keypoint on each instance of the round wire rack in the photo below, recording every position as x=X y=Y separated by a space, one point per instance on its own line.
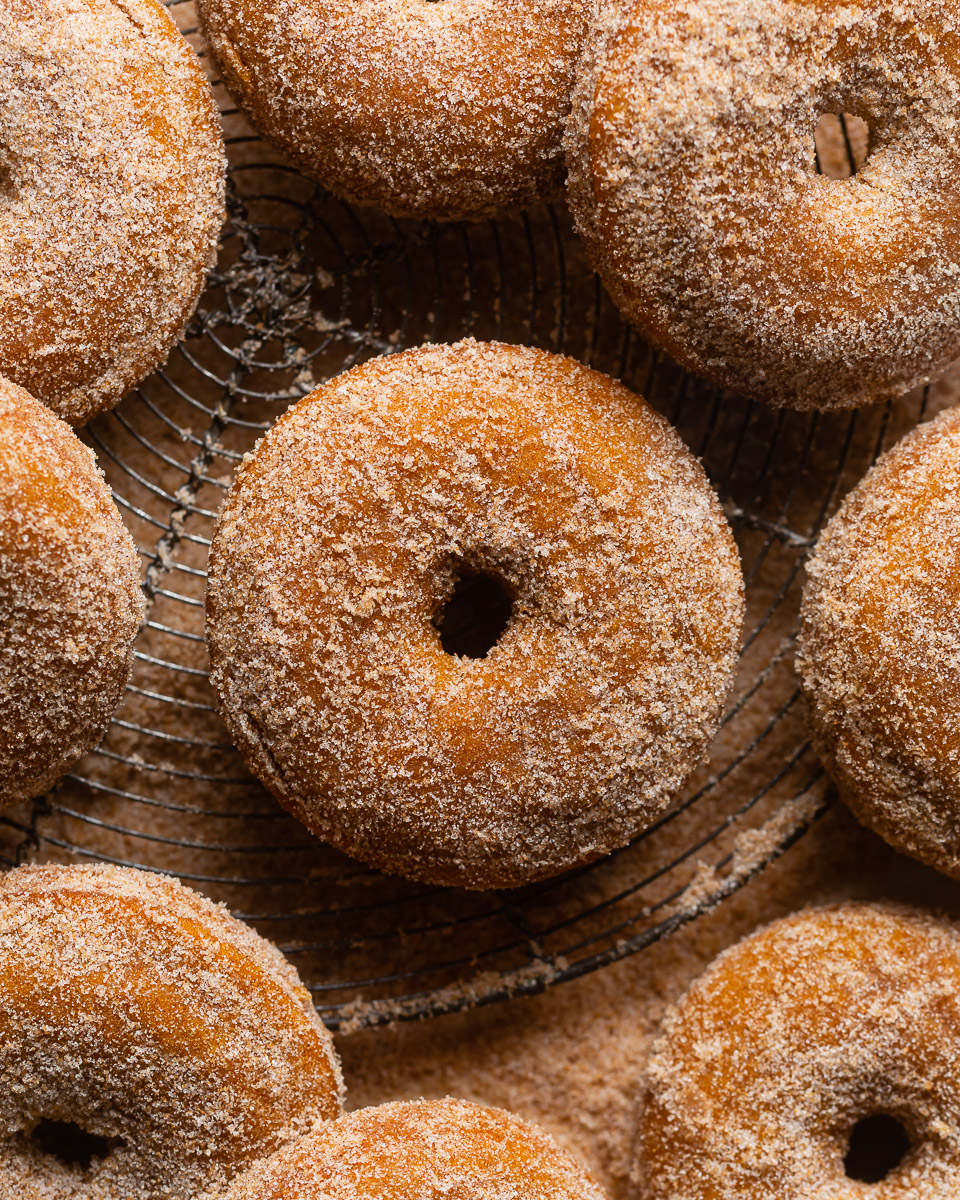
x=306 y=287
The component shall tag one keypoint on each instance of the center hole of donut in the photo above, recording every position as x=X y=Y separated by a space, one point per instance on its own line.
x=478 y=611
x=842 y=143
x=71 y=1145
x=878 y=1145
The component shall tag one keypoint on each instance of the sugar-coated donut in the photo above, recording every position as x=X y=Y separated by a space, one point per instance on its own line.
x=879 y=647
x=693 y=182
x=148 y=1017
x=70 y=598
x=338 y=548
x=421 y=1150
x=793 y=1038
x=451 y=111
x=111 y=196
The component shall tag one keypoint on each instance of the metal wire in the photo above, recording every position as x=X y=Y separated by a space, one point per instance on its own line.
x=306 y=287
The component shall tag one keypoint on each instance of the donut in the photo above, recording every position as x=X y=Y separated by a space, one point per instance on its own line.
x=769 y=1075
x=420 y=1150
x=111 y=196
x=152 y=1046
x=452 y=111
x=879 y=645
x=693 y=183
x=343 y=540
x=70 y=598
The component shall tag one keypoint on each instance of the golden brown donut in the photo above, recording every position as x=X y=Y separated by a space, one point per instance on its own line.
x=693 y=182
x=111 y=196
x=339 y=546
x=766 y=1072
x=70 y=598
x=421 y=1150
x=452 y=110
x=180 y=1042
x=879 y=647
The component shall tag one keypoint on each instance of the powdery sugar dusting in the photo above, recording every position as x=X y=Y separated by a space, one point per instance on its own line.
x=420 y=1151
x=145 y=1013
x=339 y=545
x=111 y=195
x=693 y=183
x=447 y=110
x=70 y=599
x=880 y=645
x=792 y=1036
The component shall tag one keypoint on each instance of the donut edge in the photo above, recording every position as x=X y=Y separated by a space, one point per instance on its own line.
x=55 y=434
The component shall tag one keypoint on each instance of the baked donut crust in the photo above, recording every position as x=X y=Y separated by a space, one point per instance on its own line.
x=338 y=547
x=146 y=1014
x=111 y=196
x=425 y=1148
x=879 y=645
x=450 y=111
x=693 y=184
x=70 y=598
x=789 y=1039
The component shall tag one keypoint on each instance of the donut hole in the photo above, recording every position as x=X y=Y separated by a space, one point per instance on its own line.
x=478 y=610
x=842 y=144
x=878 y=1145
x=70 y=1144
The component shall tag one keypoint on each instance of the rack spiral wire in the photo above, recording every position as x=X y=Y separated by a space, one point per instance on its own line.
x=306 y=287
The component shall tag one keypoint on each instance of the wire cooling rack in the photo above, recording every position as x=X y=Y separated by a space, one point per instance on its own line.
x=306 y=287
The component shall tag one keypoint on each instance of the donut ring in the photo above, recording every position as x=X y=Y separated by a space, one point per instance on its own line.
x=450 y=111
x=70 y=598
x=692 y=180
x=414 y=1150
x=111 y=196
x=355 y=516
x=879 y=646
x=149 y=1017
x=790 y=1039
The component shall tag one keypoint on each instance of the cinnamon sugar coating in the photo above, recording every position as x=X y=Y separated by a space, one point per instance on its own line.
x=147 y=1015
x=763 y=1069
x=339 y=546
x=70 y=598
x=111 y=196
x=451 y=111
x=692 y=179
x=879 y=649
x=421 y=1150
